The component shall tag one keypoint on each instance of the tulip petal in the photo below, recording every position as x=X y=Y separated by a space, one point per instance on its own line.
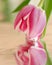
x=37 y=56
x=22 y=54
x=21 y=58
x=23 y=25
x=37 y=22
x=22 y=13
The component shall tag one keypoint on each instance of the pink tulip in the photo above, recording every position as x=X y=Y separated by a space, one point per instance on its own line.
x=32 y=21
x=31 y=54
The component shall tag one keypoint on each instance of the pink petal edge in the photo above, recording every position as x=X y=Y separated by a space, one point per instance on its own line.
x=37 y=56
x=22 y=13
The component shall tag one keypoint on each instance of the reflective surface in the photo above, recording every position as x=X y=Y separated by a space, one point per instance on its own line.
x=11 y=39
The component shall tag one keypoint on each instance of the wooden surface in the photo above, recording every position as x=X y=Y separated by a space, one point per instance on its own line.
x=10 y=39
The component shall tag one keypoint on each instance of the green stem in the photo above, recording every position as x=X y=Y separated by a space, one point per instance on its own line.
x=41 y=3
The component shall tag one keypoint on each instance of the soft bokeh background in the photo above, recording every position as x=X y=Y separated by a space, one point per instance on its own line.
x=11 y=39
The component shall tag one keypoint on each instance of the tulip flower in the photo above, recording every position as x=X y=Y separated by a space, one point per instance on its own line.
x=31 y=54
x=31 y=20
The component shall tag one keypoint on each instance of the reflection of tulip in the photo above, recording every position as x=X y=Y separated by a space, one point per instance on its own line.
x=31 y=20
x=31 y=54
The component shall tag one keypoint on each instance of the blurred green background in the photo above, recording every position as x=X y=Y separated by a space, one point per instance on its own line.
x=6 y=8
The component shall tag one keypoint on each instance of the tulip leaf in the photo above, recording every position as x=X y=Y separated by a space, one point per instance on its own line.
x=24 y=3
x=47 y=6
x=44 y=32
x=49 y=60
